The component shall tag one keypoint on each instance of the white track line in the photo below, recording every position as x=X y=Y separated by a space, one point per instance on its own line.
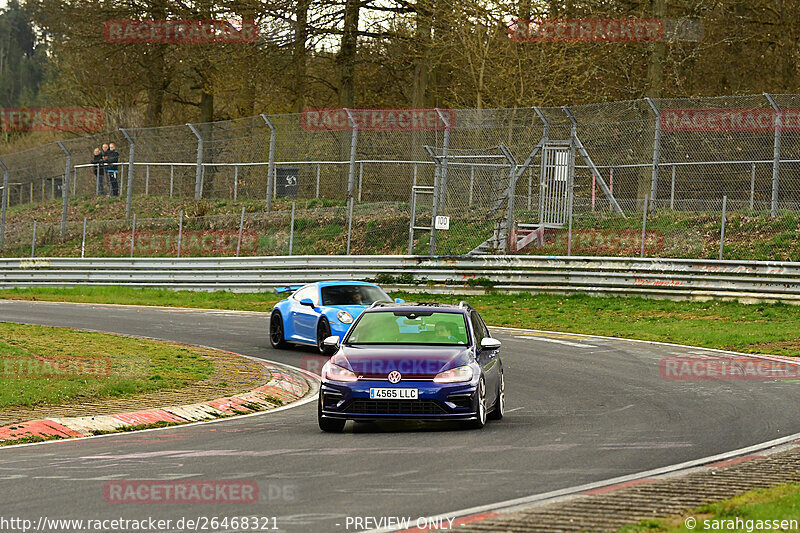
x=527 y=501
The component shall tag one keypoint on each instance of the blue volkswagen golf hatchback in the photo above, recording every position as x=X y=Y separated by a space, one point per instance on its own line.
x=413 y=361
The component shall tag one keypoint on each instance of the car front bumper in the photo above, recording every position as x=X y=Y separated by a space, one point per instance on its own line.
x=436 y=401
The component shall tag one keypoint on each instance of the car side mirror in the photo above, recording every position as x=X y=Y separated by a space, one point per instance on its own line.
x=488 y=343
x=330 y=344
x=399 y=301
x=307 y=301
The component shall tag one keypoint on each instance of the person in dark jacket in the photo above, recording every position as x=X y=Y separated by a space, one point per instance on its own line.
x=111 y=168
x=99 y=170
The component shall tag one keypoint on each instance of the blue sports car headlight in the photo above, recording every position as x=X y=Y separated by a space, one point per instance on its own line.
x=344 y=317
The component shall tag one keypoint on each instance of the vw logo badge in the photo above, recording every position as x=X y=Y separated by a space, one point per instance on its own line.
x=394 y=376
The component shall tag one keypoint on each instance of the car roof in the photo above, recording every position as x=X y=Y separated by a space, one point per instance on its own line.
x=343 y=282
x=461 y=307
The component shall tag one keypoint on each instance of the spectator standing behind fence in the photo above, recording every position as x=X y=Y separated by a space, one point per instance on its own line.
x=111 y=168
x=105 y=162
x=99 y=170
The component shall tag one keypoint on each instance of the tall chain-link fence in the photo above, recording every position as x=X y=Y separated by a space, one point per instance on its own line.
x=640 y=177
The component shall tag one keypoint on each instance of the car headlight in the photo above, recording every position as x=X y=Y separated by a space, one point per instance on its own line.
x=454 y=375
x=337 y=373
x=344 y=317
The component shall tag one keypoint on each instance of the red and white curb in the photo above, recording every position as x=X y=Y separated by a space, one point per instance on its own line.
x=286 y=385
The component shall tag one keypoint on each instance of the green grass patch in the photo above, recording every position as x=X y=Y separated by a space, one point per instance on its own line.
x=43 y=365
x=781 y=502
x=755 y=328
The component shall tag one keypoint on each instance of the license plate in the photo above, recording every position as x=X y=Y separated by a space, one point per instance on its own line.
x=394 y=394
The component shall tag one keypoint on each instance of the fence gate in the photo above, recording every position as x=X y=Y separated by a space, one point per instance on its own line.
x=557 y=171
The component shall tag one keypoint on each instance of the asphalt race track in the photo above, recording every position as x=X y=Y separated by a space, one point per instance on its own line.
x=580 y=410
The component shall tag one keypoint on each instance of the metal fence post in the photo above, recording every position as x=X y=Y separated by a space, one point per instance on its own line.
x=83 y=239
x=644 y=223
x=752 y=185
x=241 y=227
x=351 y=177
x=33 y=240
x=171 y=178
x=472 y=185
x=656 y=152
x=776 y=155
x=235 y=182
x=672 y=191
x=65 y=189
x=198 y=174
x=129 y=194
x=271 y=166
x=291 y=231
x=4 y=205
x=317 y=193
x=133 y=233
x=442 y=203
x=570 y=175
x=722 y=228
x=180 y=232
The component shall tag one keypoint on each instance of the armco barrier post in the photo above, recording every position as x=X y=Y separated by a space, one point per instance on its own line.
x=4 y=206
x=776 y=154
x=198 y=173
x=351 y=177
x=722 y=228
x=129 y=197
x=656 y=153
x=271 y=166
x=65 y=189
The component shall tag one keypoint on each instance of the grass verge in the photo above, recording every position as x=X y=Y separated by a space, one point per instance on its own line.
x=42 y=365
x=758 y=510
x=756 y=328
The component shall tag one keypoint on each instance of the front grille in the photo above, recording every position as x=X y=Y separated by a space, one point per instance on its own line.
x=395 y=407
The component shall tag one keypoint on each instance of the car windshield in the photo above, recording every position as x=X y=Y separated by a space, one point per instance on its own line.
x=353 y=295
x=410 y=327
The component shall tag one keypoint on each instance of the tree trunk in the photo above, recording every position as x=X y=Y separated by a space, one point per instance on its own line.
x=419 y=97
x=347 y=54
x=299 y=54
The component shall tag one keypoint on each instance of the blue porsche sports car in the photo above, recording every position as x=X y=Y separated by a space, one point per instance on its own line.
x=318 y=310
x=413 y=361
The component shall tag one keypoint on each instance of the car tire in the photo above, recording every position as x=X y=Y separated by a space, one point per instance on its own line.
x=276 y=335
x=480 y=420
x=323 y=332
x=499 y=408
x=328 y=425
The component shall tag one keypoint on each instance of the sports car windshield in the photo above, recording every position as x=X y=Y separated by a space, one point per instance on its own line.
x=418 y=327
x=353 y=295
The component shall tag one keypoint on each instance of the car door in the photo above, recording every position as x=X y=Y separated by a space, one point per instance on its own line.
x=304 y=318
x=486 y=358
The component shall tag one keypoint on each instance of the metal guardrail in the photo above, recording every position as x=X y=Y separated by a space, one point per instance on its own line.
x=671 y=278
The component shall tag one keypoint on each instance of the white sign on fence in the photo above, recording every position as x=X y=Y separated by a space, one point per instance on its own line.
x=442 y=223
